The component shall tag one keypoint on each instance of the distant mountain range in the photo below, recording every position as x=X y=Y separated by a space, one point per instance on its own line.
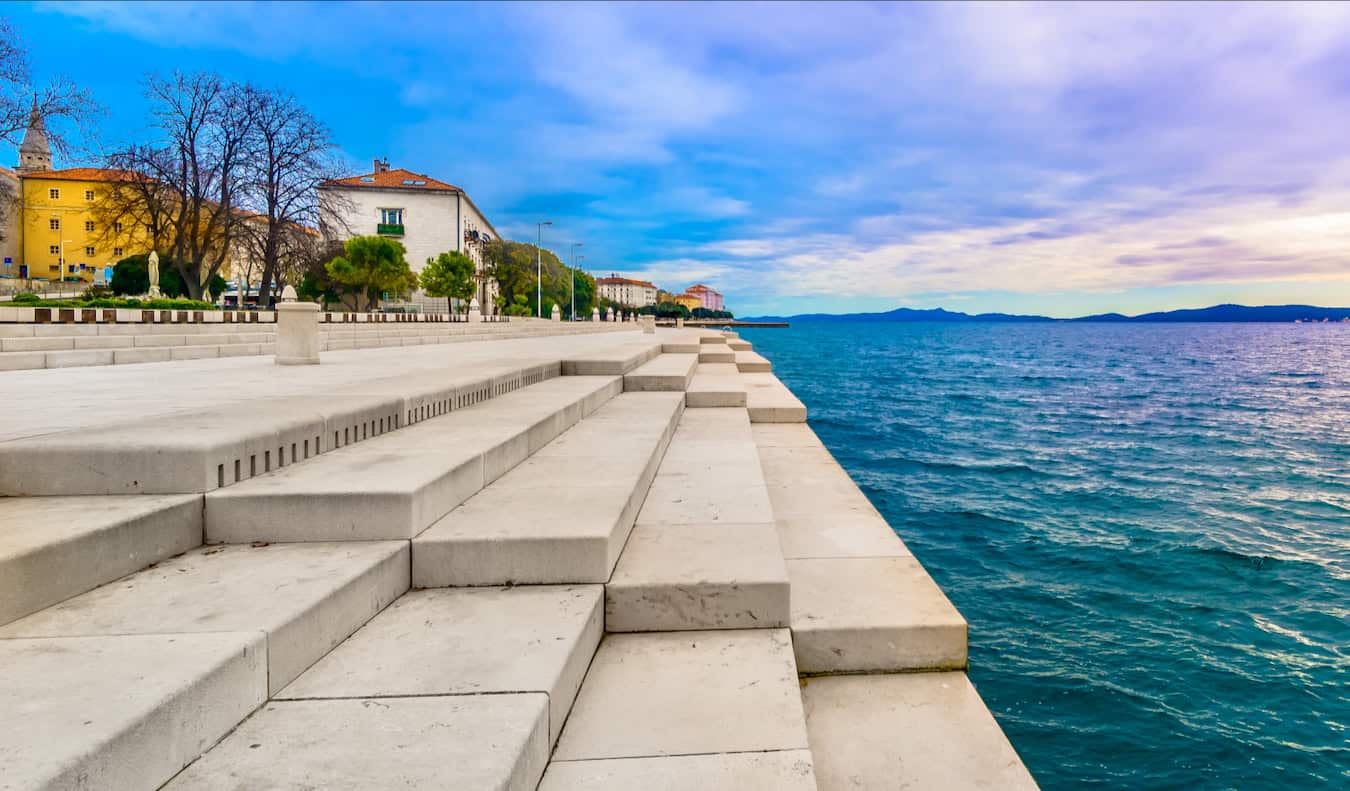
x=1220 y=313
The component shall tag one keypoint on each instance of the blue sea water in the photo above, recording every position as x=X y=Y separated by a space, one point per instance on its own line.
x=1147 y=527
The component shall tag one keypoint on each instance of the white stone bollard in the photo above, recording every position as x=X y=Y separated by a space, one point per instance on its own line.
x=297 y=331
x=609 y=315
x=595 y=314
x=679 y=322
x=475 y=311
x=557 y=312
x=648 y=324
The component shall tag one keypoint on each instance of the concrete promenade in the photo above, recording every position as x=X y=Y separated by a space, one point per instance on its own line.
x=611 y=560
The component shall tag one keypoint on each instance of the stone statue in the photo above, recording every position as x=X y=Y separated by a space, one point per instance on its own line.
x=152 y=273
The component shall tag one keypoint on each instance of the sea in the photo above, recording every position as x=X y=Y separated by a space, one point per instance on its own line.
x=1146 y=526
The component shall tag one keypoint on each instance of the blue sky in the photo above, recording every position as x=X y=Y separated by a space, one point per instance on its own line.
x=1056 y=158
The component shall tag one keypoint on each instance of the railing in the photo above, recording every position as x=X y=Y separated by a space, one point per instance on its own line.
x=389 y=229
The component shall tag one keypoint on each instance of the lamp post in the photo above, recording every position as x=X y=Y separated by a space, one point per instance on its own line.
x=575 y=245
x=539 y=269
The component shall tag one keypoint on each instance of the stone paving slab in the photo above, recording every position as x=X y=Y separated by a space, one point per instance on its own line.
x=307 y=598
x=715 y=385
x=121 y=711
x=784 y=770
x=691 y=577
x=769 y=401
x=52 y=548
x=912 y=730
x=751 y=363
x=462 y=641
x=680 y=693
x=668 y=372
x=458 y=742
x=398 y=484
x=854 y=615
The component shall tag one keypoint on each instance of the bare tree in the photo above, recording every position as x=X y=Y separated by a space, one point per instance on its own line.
x=290 y=153
x=186 y=187
x=72 y=108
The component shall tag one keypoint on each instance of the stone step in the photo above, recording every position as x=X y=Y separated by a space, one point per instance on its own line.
x=714 y=693
x=466 y=641
x=716 y=354
x=668 y=372
x=738 y=345
x=53 y=548
x=769 y=401
x=121 y=711
x=715 y=385
x=563 y=515
x=456 y=742
x=397 y=485
x=784 y=770
x=704 y=553
x=712 y=339
x=749 y=362
x=613 y=362
x=200 y=450
x=860 y=601
x=911 y=730
x=306 y=598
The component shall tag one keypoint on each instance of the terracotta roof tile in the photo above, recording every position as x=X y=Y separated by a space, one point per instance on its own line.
x=83 y=174
x=615 y=280
x=397 y=178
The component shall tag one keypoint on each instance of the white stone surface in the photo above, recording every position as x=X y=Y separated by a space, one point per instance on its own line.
x=297 y=334
x=554 y=519
x=121 y=711
x=750 y=362
x=307 y=598
x=397 y=485
x=497 y=742
x=715 y=385
x=872 y=615
x=460 y=641
x=52 y=548
x=769 y=401
x=785 y=770
x=690 y=577
x=912 y=730
x=667 y=372
x=679 y=693
x=716 y=354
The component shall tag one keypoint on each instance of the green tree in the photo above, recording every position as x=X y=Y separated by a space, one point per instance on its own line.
x=369 y=267
x=521 y=307
x=449 y=275
x=131 y=276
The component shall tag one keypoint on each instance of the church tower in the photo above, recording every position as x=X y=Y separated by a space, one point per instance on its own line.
x=35 y=153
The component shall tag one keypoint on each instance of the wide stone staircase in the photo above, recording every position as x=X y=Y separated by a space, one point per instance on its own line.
x=636 y=568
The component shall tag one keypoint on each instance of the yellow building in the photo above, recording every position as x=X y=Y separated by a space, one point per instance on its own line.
x=689 y=301
x=60 y=237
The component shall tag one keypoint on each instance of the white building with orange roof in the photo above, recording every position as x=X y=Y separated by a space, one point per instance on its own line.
x=426 y=215
x=626 y=291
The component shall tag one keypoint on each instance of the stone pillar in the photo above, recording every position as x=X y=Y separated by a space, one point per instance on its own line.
x=595 y=314
x=297 y=331
x=609 y=314
x=649 y=324
x=475 y=311
x=557 y=312
x=679 y=322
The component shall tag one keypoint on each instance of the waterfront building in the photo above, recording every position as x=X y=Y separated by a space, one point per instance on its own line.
x=689 y=301
x=426 y=215
x=708 y=297
x=626 y=291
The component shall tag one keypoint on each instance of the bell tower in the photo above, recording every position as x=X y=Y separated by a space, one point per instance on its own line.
x=35 y=153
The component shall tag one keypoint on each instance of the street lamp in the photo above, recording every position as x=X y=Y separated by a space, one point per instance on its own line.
x=575 y=245
x=539 y=269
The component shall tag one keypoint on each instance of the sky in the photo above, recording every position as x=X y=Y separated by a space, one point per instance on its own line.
x=1059 y=158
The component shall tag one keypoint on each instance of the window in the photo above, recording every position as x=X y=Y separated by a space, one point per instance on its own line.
x=54 y=193
x=88 y=194
x=117 y=226
x=54 y=224
x=391 y=216
x=89 y=225
x=117 y=252
x=54 y=249
x=89 y=251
